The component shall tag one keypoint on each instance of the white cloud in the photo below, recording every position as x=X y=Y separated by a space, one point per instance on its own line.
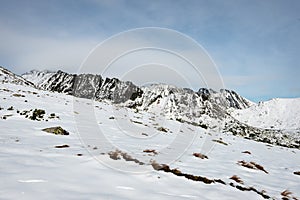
x=27 y=52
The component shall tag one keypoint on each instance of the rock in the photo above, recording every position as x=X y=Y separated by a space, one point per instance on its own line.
x=62 y=146
x=37 y=114
x=10 y=108
x=162 y=129
x=200 y=155
x=297 y=173
x=56 y=130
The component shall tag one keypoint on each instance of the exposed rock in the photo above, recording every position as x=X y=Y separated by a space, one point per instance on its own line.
x=62 y=146
x=150 y=151
x=200 y=155
x=37 y=114
x=10 y=108
x=162 y=129
x=297 y=173
x=56 y=130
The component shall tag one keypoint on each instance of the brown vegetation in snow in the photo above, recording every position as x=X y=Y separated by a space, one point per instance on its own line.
x=252 y=165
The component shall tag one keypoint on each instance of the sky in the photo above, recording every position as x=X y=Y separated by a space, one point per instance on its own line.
x=255 y=44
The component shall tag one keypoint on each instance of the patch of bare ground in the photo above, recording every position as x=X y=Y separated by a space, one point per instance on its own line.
x=247 y=152
x=150 y=151
x=117 y=155
x=62 y=146
x=287 y=195
x=18 y=95
x=251 y=165
x=297 y=173
x=162 y=129
x=200 y=155
x=220 y=141
x=137 y=122
x=236 y=179
x=242 y=188
x=177 y=172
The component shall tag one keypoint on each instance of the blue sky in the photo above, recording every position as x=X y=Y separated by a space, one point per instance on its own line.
x=255 y=44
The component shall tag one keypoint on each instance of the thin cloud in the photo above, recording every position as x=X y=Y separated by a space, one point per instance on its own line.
x=244 y=38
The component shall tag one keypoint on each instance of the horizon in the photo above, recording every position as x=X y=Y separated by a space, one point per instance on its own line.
x=254 y=44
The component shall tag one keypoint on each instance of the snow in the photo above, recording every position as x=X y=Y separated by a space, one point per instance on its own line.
x=38 y=77
x=277 y=113
x=32 y=167
x=7 y=76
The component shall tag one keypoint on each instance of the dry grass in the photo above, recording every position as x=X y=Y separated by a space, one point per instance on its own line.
x=200 y=155
x=252 y=165
x=286 y=193
x=237 y=179
x=177 y=172
x=117 y=155
x=242 y=188
x=150 y=151
x=220 y=141
x=247 y=152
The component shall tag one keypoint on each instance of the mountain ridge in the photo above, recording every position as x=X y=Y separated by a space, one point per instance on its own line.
x=205 y=108
x=7 y=76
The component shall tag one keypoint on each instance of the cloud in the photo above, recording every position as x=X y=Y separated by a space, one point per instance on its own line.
x=24 y=52
x=248 y=40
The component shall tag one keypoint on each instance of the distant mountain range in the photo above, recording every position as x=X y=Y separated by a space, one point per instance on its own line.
x=223 y=111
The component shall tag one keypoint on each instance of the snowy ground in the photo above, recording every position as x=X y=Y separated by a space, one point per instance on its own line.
x=31 y=167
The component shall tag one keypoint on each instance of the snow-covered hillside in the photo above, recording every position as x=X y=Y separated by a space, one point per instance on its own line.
x=274 y=114
x=115 y=152
x=7 y=76
x=38 y=77
x=205 y=108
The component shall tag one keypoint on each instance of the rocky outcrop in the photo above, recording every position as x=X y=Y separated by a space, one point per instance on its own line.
x=89 y=86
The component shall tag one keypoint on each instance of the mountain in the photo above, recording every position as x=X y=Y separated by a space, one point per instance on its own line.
x=205 y=108
x=277 y=113
x=85 y=85
x=7 y=76
x=38 y=77
x=96 y=87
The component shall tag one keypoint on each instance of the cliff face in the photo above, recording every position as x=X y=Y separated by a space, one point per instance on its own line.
x=85 y=85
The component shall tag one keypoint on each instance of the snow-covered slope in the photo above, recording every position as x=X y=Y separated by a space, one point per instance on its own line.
x=186 y=105
x=38 y=77
x=35 y=163
x=206 y=108
x=7 y=76
x=274 y=114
